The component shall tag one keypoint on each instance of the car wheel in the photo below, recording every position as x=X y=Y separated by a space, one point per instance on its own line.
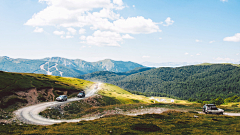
x=221 y=113
x=62 y=100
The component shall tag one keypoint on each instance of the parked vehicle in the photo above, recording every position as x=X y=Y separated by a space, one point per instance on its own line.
x=62 y=98
x=211 y=108
x=81 y=94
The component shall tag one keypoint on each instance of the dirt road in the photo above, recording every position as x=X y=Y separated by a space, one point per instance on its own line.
x=30 y=114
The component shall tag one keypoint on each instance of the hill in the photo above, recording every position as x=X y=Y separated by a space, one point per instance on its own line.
x=18 y=89
x=63 y=67
x=199 y=82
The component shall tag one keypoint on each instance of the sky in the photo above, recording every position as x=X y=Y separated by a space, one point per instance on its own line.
x=128 y=30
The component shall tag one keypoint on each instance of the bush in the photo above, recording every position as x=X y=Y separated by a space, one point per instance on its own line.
x=146 y=127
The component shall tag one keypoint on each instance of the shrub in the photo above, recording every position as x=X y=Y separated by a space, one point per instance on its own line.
x=146 y=127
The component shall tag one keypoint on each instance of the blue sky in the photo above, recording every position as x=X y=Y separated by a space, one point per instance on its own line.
x=128 y=30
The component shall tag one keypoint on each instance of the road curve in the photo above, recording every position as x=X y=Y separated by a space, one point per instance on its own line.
x=30 y=114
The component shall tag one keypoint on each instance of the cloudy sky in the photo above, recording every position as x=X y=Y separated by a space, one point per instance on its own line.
x=129 y=30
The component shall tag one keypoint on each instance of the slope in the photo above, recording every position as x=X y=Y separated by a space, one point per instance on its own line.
x=19 y=89
x=202 y=82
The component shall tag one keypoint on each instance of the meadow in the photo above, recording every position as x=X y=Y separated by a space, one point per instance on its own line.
x=112 y=103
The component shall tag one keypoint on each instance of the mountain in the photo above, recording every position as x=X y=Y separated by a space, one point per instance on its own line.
x=168 y=64
x=21 y=89
x=63 y=67
x=200 y=82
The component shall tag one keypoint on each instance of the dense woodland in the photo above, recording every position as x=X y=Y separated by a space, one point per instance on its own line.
x=198 y=82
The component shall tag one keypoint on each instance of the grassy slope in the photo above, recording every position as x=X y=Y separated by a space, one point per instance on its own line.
x=170 y=122
x=126 y=97
x=16 y=82
x=123 y=96
x=166 y=123
x=237 y=65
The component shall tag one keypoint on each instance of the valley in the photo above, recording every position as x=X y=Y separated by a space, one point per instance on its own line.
x=107 y=108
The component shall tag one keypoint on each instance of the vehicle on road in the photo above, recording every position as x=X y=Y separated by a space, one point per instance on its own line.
x=81 y=94
x=62 y=98
x=212 y=109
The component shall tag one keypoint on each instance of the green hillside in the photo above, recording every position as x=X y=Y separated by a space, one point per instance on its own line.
x=21 y=88
x=200 y=82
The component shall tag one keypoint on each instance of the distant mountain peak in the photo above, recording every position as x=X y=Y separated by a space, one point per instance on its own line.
x=63 y=67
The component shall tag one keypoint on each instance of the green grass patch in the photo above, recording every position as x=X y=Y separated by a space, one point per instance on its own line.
x=170 y=122
x=12 y=83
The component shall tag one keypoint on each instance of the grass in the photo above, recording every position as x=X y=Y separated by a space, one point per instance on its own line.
x=11 y=83
x=169 y=122
x=123 y=96
x=111 y=97
x=114 y=98
x=207 y=64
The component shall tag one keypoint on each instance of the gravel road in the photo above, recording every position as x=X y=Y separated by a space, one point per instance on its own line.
x=30 y=114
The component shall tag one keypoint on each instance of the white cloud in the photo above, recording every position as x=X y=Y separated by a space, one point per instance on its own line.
x=118 y=2
x=168 y=22
x=69 y=36
x=82 y=47
x=58 y=32
x=135 y=25
x=106 y=13
x=223 y=59
x=105 y=38
x=235 y=38
x=198 y=54
x=127 y=36
x=224 y=0
x=82 y=31
x=83 y=4
x=133 y=6
x=99 y=15
x=72 y=30
x=237 y=54
x=198 y=40
x=212 y=41
x=83 y=37
x=38 y=30
x=160 y=38
x=72 y=13
x=145 y=56
x=186 y=53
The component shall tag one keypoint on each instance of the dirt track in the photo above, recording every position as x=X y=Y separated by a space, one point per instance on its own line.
x=30 y=114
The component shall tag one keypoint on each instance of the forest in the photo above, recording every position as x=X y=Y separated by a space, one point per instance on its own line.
x=198 y=82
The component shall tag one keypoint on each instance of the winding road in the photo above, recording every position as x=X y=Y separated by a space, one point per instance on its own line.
x=30 y=114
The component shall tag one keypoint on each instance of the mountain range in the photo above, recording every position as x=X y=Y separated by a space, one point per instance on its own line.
x=174 y=64
x=63 y=67
x=168 y=64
